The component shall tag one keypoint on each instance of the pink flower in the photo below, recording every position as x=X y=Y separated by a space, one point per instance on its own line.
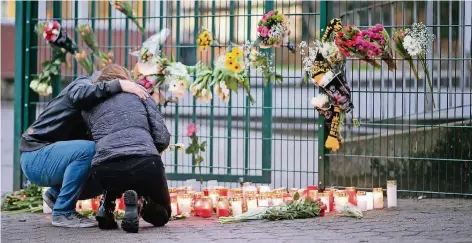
x=191 y=129
x=370 y=53
x=379 y=27
x=264 y=17
x=365 y=32
x=259 y=29
x=264 y=31
x=270 y=13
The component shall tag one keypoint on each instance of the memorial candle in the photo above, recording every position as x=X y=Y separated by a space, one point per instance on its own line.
x=340 y=199
x=222 y=206
x=313 y=194
x=184 y=202
x=213 y=194
x=277 y=199
x=236 y=206
x=173 y=206
x=370 y=200
x=262 y=200
x=251 y=202
x=207 y=207
x=324 y=197
x=391 y=193
x=197 y=205
x=378 y=198
x=352 y=195
x=362 y=201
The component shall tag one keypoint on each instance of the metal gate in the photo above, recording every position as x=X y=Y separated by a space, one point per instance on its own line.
x=276 y=141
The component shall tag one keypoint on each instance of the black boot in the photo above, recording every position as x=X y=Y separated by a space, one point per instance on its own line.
x=154 y=213
x=130 y=222
x=105 y=216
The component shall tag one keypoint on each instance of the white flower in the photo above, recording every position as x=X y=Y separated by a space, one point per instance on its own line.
x=55 y=32
x=42 y=88
x=204 y=92
x=177 y=88
x=217 y=90
x=226 y=99
x=34 y=85
x=411 y=45
x=319 y=101
x=146 y=68
x=49 y=90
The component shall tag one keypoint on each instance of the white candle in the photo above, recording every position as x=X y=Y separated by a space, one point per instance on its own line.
x=391 y=193
x=362 y=201
x=46 y=208
x=86 y=205
x=378 y=198
x=174 y=209
x=324 y=197
x=370 y=200
x=213 y=195
x=184 y=202
x=237 y=208
x=340 y=200
x=264 y=189
x=262 y=200
x=251 y=203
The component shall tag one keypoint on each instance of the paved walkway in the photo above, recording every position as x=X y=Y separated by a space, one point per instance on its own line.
x=427 y=220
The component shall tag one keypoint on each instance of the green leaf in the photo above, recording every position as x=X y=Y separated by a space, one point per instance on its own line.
x=232 y=85
x=203 y=146
x=296 y=196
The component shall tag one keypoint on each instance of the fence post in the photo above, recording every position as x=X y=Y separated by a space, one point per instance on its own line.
x=57 y=15
x=323 y=160
x=267 y=117
x=20 y=85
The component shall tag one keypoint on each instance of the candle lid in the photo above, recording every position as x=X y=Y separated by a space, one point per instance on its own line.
x=236 y=198
x=221 y=198
x=281 y=190
x=392 y=182
x=361 y=193
x=185 y=196
x=251 y=197
x=350 y=188
x=198 y=194
x=262 y=197
x=236 y=190
x=377 y=189
x=250 y=193
x=278 y=195
x=340 y=191
x=341 y=194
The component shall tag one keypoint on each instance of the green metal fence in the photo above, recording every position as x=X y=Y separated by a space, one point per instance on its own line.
x=276 y=141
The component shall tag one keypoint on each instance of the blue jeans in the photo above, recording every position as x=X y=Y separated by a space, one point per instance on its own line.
x=63 y=166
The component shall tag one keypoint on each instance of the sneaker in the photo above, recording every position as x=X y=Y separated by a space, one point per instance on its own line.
x=153 y=213
x=130 y=222
x=49 y=199
x=73 y=220
x=105 y=216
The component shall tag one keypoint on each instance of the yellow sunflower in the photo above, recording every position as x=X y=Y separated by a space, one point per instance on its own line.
x=237 y=52
x=229 y=63
x=230 y=56
x=236 y=68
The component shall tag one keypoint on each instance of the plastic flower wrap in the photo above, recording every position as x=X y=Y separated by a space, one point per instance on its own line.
x=262 y=62
x=178 y=78
x=56 y=36
x=415 y=42
x=200 y=87
x=229 y=74
x=88 y=36
x=205 y=40
x=273 y=31
x=126 y=8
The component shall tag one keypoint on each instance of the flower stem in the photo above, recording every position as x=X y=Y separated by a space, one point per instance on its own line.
x=426 y=71
x=412 y=65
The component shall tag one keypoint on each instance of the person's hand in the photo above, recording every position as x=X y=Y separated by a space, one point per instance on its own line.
x=134 y=88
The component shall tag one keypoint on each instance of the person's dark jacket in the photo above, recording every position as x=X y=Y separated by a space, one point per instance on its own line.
x=125 y=125
x=62 y=120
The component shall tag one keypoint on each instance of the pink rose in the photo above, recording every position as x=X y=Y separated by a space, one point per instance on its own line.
x=379 y=27
x=370 y=53
x=264 y=31
x=259 y=29
x=264 y=17
x=270 y=13
x=191 y=129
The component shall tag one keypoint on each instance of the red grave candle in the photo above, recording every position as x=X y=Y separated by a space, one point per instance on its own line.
x=222 y=206
x=352 y=195
x=207 y=207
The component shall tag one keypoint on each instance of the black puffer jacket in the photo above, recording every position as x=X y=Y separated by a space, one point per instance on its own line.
x=62 y=120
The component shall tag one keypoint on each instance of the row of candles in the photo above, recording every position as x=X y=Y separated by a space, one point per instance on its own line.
x=236 y=201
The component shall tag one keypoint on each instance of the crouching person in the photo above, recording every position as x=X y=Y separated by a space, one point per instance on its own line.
x=129 y=134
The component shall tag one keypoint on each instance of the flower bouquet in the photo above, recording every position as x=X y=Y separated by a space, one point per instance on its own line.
x=56 y=36
x=415 y=42
x=229 y=74
x=88 y=37
x=273 y=31
x=201 y=86
x=205 y=39
x=262 y=62
x=178 y=77
x=125 y=7
x=84 y=61
x=366 y=45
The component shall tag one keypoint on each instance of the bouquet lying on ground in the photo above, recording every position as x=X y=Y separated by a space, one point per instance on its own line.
x=27 y=200
x=262 y=62
x=229 y=74
x=88 y=37
x=200 y=87
x=367 y=45
x=125 y=7
x=415 y=42
x=297 y=209
x=273 y=31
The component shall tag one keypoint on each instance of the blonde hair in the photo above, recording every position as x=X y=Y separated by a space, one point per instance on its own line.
x=112 y=72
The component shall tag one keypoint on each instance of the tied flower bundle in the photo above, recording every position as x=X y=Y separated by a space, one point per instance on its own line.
x=56 y=36
x=297 y=209
x=262 y=62
x=415 y=42
x=178 y=78
x=201 y=86
x=365 y=45
x=229 y=74
x=205 y=40
x=88 y=36
x=84 y=60
x=126 y=8
x=273 y=31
